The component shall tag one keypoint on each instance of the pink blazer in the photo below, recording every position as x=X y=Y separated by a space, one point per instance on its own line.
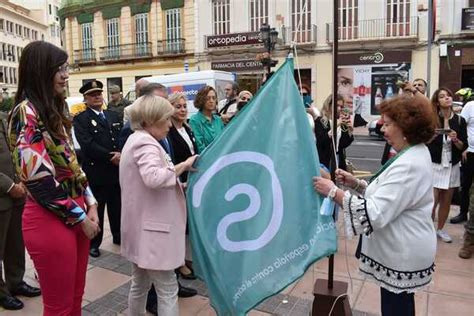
x=153 y=205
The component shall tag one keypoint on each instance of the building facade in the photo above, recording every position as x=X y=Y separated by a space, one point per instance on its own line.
x=118 y=42
x=456 y=42
x=21 y=23
x=380 y=43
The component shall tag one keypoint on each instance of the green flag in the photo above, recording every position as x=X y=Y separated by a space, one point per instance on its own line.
x=253 y=214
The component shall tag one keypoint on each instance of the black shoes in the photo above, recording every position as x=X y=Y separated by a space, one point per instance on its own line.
x=26 y=290
x=94 y=252
x=186 y=291
x=152 y=309
x=462 y=217
x=11 y=303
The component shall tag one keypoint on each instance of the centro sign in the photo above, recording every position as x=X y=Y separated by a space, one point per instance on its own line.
x=376 y=58
x=233 y=39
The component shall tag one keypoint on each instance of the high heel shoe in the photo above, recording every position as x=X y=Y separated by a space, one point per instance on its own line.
x=186 y=273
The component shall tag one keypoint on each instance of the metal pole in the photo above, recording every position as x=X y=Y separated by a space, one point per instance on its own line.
x=430 y=42
x=334 y=118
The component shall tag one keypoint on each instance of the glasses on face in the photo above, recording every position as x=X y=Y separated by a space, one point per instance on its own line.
x=211 y=97
x=64 y=69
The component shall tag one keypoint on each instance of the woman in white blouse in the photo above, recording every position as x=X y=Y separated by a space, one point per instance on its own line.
x=393 y=211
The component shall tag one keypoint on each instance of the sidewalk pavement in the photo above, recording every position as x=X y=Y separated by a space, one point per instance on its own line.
x=452 y=292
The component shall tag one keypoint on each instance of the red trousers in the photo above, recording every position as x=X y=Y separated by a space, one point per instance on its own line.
x=60 y=256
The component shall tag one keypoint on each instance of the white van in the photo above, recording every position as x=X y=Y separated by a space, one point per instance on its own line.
x=189 y=83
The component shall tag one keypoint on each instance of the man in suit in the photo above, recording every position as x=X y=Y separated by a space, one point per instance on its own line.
x=97 y=132
x=12 y=249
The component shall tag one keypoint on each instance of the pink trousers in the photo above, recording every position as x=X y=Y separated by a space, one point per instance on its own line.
x=60 y=256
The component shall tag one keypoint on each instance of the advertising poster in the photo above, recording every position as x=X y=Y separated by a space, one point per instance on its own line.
x=365 y=80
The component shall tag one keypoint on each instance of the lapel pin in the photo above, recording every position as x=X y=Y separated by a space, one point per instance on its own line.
x=94 y=122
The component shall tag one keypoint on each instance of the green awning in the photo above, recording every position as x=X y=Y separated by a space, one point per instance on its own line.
x=85 y=18
x=171 y=4
x=111 y=12
x=140 y=6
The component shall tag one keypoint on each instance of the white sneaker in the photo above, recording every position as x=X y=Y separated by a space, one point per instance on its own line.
x=444 y=236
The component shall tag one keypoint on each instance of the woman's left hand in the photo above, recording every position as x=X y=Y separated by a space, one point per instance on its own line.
x=322 y=186
x=92 y=213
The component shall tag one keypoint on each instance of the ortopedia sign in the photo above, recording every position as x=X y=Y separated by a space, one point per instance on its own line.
x=236 y=65
x=233 y=39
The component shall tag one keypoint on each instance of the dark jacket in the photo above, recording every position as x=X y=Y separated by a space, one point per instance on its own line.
x=458 y=124
x=7 y=169
x=324 y=144
x=98 y=139
x=181 y=150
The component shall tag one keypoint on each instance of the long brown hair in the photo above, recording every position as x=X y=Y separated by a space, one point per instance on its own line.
x=39 y=63
x=435 y=103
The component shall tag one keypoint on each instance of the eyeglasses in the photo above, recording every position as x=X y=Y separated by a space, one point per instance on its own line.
x=63 y=69
x=211 y=97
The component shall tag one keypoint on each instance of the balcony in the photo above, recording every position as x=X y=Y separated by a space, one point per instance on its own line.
x=303 y=36
x=171 y=47
x=84 y=56
x=375 y=30
x=125 y=51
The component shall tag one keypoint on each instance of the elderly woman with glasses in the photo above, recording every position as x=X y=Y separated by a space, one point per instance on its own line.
x=206 y=125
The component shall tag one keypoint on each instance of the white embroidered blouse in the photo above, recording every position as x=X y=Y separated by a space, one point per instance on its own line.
x=394 y=217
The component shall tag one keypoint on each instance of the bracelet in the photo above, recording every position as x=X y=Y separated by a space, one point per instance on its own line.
x=332 y=193
x=357 y=185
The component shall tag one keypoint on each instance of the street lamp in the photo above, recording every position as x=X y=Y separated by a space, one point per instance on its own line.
x=269 y=38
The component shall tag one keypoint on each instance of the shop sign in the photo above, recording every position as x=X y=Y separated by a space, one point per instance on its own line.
x=236 y=65
x=467 y=21
x=375 y=58
x=234 y=39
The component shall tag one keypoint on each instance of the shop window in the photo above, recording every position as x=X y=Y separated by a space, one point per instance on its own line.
x=258 y=14
x=301 y=21
x=221 y=16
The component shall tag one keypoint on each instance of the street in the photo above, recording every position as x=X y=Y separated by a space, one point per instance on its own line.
x=365 y=153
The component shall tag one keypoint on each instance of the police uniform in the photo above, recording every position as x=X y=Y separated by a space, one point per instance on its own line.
x=97 y=134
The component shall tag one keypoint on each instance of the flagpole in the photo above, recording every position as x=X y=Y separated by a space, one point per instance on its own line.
x=330 y=297
x=333 y=164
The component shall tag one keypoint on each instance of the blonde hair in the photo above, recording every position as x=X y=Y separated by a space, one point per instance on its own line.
x=149 y=110
x=243 y=92
x=175 y=97
x=327 y=105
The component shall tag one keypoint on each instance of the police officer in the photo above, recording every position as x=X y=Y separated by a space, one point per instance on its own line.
x=97 y=133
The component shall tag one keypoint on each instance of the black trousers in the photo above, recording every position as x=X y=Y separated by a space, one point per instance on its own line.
x=108 y=195
x=402 y=304
x=467 y=174
x=12 y=249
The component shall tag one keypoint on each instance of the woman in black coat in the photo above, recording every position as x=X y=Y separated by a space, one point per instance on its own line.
x=446 y=149
x=183 y=146
x=180 y=134
x=322 y=129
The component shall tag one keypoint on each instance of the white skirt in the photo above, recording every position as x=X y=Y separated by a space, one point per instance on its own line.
x=446 y=177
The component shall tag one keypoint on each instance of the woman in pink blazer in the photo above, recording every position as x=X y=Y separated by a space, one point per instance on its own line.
x=153 y=207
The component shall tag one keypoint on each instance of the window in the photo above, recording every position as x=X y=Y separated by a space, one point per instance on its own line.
x=18 y=53
x=173 y=30
x=348 y=19
x=35 y=35
x=113 y=38
x=2 y=22
x=50 y=10
x=2 y=74
x=258 y=14
x=221 y=16
x=398 y=18
x=141 y=34
x=301 y=21
x=87 y=41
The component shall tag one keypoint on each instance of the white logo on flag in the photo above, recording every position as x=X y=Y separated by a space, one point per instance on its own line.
x=254 y=196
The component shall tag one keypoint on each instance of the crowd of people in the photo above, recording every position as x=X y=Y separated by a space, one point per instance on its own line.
x=135 y=162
